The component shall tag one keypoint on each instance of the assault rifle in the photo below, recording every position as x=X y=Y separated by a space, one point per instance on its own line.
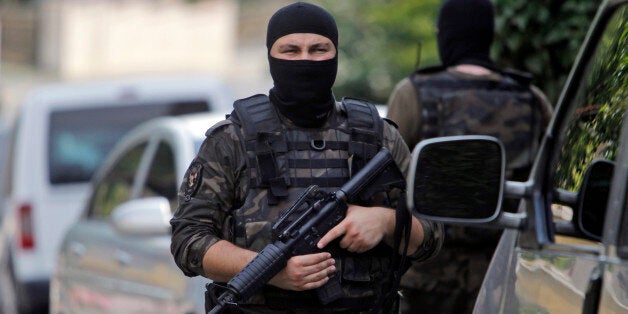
x=313 y=214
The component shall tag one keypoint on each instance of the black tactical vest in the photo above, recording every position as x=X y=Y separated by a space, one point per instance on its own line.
x=505 y=109
x=284 y=160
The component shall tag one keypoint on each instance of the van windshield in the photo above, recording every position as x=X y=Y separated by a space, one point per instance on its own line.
x=79 y=139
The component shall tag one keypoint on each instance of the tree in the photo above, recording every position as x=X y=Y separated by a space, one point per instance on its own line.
x=541 y=37
x=597 y=124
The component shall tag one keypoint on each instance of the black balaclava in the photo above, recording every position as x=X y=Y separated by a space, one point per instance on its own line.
x=302 y=88
x=465 y=32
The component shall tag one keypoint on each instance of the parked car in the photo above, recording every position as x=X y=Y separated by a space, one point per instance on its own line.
x=116 y=258
x=61 y=136
x=566 y=249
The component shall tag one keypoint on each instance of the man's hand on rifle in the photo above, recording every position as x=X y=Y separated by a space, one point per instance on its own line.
x=363 y=228
x=305 y=272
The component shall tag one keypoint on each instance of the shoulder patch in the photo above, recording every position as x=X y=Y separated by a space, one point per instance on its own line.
x=192 y=180
x=219 y=125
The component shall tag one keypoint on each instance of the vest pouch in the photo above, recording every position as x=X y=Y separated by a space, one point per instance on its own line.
x=363 y=276
x=357 y=270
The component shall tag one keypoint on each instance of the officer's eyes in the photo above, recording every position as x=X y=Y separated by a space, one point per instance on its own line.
x=319 y=50
x=291 y=50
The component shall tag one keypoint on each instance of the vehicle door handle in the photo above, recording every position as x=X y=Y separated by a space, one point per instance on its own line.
x=77 y=249
x=123 y=258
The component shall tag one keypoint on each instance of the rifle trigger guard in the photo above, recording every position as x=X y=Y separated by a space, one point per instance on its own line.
x=317 y=144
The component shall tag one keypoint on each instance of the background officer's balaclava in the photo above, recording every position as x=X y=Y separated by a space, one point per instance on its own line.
x=302 y=88
x=465 y=32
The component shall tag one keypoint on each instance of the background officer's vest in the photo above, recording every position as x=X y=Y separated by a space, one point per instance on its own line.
x=505 y=109
x=284 y=160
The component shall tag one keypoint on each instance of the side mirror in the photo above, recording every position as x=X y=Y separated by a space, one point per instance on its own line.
x=593 y=198
x=144 y=216
x=457 y=179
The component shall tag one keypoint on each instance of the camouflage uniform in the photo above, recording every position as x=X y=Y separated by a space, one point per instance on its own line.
x=450 y=282
x=215 y=200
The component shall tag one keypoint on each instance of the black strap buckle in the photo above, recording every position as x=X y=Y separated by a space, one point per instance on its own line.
x=317 y=144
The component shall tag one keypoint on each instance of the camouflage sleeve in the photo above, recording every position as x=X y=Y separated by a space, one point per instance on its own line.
x=405 y=110
x=212 y=185
x=393 y=141
x=433 y=237
x=432 y=231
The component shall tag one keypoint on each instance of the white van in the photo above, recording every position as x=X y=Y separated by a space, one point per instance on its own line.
x=62 y=135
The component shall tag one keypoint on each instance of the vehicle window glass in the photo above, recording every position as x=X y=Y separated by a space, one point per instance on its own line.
x=79 y=139
x=116 y=186
x=162 y=177
x=594 y=128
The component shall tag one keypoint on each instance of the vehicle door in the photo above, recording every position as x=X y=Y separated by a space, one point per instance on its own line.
x=614 y=286
x=559 y=269
x=90 y=258
x=151 y=281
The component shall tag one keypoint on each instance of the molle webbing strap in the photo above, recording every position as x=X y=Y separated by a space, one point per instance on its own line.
x=267 y=144
x=322 y=182
x=308 y=145
x=366 y=131
x=315 y=163
x=263 y=134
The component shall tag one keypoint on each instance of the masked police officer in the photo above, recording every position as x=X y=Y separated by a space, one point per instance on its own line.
x=255 y=163
x=467 y=94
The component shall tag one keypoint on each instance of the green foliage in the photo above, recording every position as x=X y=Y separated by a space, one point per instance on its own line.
x=541 y=37
x=379 y=43
x=605 y=95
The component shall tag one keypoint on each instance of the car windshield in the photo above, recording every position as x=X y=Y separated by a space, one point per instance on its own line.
x=80 y=139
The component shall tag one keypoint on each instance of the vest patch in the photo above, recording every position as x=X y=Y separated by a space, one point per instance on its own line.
x=193 y=179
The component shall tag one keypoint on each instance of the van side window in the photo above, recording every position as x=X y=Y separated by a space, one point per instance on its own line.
x=162 y=178
x=79 y=139
x=116 y=187
x=592 y=132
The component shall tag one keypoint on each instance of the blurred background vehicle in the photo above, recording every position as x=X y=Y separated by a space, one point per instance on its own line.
x=116 y=258
x=62 y=135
